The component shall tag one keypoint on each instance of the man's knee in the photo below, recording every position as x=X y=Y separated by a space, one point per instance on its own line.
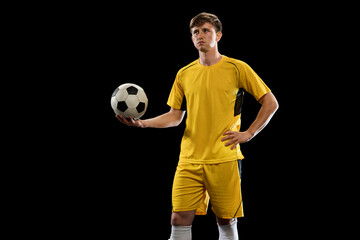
x=182 y=218
x=222 y=221
x=228 y=231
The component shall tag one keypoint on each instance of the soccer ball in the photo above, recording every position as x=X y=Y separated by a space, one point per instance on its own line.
x=129 y=100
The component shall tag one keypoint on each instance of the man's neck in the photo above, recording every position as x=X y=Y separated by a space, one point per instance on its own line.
x=209 y=58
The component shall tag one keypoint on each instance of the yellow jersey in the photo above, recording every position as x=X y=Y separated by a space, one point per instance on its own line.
x=210 y=93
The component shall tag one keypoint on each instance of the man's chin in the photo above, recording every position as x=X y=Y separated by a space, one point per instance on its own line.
x=203 y=49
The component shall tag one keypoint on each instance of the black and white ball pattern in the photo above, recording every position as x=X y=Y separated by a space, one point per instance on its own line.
x=129 y=100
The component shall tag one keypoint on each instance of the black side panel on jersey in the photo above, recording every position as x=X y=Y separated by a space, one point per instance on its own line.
x=239 y=102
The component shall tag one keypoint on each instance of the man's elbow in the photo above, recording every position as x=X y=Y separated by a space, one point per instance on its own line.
x=177 y=123
x=270 y=101
x=275 y=105
x=177 y=117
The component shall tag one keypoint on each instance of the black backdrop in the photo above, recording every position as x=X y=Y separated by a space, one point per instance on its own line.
x=115 y=180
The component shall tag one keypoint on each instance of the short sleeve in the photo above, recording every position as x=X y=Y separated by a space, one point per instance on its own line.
x=176 y=96
x=251 y=82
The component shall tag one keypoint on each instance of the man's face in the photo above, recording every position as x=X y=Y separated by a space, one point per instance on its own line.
x=205 y=37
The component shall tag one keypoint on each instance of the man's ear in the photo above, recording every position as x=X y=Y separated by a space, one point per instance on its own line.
x=218 y=36
x=192 y=39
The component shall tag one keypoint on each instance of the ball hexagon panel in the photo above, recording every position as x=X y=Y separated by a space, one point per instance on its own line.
x=132 y=101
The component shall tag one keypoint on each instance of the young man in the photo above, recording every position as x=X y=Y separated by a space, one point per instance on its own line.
x=210 y=89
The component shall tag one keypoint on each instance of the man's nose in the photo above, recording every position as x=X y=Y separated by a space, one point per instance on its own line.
x=201 y=34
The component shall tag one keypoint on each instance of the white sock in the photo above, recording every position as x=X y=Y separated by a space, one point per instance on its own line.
x=228 y=232
x=180 y=233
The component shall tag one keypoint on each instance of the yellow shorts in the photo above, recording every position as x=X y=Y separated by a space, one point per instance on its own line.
x=195 y=184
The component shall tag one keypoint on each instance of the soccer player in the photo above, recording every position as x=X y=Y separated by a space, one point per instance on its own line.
x=211 y=90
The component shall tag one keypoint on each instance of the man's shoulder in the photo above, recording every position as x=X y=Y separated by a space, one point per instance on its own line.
x=238 y=64
x=234 y=61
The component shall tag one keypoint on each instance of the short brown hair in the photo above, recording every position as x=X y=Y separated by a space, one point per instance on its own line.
x=204 y=17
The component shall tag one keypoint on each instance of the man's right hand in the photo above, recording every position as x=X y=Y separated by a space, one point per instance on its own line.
x=130 y=122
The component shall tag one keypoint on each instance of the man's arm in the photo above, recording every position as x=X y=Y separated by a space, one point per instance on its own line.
x=269 y=105
x=170 y=119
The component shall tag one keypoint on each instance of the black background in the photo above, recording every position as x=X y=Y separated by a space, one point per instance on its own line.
x=111 y=180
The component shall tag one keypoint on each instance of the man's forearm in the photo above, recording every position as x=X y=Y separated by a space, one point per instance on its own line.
x=170 y=119
x=267 y=110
